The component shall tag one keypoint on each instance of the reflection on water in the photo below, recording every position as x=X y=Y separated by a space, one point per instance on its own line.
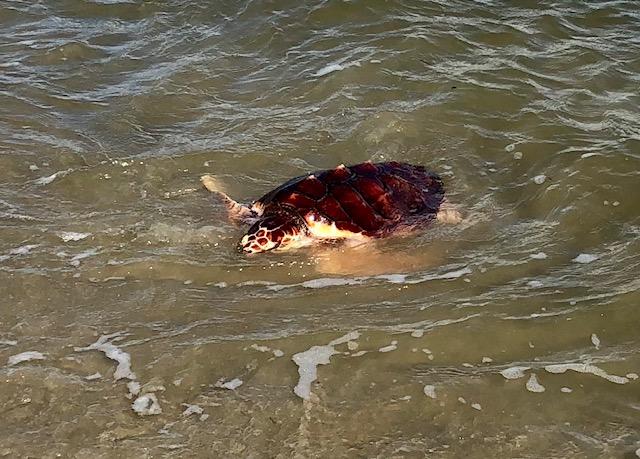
x=130 y=325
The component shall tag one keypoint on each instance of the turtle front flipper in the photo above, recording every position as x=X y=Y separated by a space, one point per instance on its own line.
x=238 y=213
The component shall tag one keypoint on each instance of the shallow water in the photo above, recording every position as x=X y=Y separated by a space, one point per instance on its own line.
x=109 y=113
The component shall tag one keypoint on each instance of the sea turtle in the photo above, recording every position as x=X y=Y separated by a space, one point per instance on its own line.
x=367 y=200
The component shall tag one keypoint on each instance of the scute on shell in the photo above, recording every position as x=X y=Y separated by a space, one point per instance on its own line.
x=372 y=199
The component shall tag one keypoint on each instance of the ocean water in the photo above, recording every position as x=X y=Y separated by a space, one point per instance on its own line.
x=131 y=327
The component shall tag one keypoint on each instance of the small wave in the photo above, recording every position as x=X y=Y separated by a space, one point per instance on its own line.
x=391 y=278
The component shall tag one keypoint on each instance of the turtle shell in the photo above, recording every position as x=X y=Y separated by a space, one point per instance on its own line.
x=372 y=199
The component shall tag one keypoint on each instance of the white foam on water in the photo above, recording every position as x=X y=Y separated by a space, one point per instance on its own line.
x=533 y=385
x=595 y=340
x=462 y=400
x=134 y=388
x=586 y=368
x=327 y=69
x=251 y=283
x=324 y=282
x=358 y=354
x=514 y=372
x=146 y=405
x=308 y=362
x=538 y=256
x=427 y=325
x=393 y=278
x=113 y=352
x=476 y=406
x=566 y=390
x=417 y=333
x=278 y=353
x=351 y=336
x=589 y=155
x=192 y=409
x=22 y=250
x=534 y=284
x=391 y=347
x=47 y=180
x=539 y=179
x=446 y=276
x=328 y=282
x=430 y=391
x=93 y=377
x=536 y=315
x=25 y=357
x=638 y=452
x=487 y=360
x=352 y=345
x=633 y=376
x=585 y=258
x=8 y=342
x=69 y=236
x=76 y=259
x=233 y=384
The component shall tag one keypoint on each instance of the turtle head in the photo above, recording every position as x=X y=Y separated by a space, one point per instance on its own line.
x=276 y=231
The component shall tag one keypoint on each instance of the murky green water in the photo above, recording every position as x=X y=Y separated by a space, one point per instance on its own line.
x=109 y=113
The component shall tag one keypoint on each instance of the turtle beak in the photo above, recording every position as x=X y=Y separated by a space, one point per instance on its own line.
x=244 y=245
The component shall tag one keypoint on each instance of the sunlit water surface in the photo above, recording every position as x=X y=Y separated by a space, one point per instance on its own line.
x=109 y=113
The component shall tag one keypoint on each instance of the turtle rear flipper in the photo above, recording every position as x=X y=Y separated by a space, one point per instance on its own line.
x=238 y=213
x=449 y=213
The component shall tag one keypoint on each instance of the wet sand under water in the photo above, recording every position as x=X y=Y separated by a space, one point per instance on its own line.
x=131 y=327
